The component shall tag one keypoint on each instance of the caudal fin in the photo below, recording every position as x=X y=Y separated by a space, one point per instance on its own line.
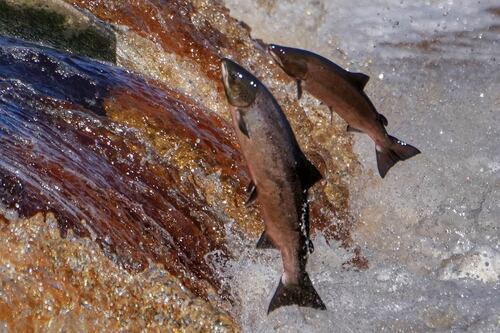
x=398 y=151
x=302 y=294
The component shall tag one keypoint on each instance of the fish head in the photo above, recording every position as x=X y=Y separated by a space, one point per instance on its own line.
x=240 y=86
x=292 y=61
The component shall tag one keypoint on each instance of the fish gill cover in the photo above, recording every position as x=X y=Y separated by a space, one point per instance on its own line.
x=146 y=172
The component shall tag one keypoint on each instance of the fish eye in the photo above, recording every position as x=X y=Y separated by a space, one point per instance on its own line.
x=237 y=75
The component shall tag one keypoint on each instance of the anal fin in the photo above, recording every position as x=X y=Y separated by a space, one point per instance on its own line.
x=264 y=242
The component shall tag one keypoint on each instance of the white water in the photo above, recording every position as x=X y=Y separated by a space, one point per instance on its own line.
x=430 y=229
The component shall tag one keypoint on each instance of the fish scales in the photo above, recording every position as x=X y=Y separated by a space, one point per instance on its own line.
x=281 y=175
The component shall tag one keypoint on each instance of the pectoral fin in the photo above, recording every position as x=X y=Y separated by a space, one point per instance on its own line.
x=241 y=124
x=299 y=89
x=250 y=187
x=353 y=130
x=252 y=195
x=359 y=80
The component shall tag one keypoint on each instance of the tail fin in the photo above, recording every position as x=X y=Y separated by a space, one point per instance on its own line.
x=302 y=294
x=398 y=151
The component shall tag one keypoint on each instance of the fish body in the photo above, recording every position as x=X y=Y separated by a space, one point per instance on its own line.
x=281 y=176
x=342 y=91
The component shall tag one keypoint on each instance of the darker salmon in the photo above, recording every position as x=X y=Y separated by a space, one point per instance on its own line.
x=281 y=176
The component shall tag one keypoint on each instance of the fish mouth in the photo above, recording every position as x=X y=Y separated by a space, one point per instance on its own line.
x=273 y=51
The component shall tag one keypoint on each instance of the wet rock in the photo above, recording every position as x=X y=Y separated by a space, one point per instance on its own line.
x=49 y=283
x=57 y=24
x=482 y=263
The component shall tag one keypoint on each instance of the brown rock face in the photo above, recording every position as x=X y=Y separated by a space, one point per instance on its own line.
x=112 y=158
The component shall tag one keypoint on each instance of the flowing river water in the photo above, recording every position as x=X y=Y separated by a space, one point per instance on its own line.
x=122 y=186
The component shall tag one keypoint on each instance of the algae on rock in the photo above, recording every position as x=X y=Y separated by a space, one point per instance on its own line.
x=59 y=25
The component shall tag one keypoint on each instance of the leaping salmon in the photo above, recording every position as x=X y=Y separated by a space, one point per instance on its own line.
x=342 y=91
x=281 y=175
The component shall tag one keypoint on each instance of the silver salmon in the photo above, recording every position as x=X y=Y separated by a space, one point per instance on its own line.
x=342 y=91
x=281 y=176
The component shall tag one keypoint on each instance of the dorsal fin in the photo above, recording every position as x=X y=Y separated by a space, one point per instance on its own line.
x=308 y=173
x=382 y=119
x=358 y=79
